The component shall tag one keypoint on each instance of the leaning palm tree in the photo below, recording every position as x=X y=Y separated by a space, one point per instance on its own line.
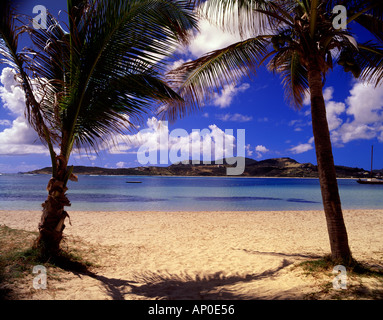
x=89 y=79
x=298 y=40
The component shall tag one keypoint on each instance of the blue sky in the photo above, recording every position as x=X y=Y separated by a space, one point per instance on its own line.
x=257 y=105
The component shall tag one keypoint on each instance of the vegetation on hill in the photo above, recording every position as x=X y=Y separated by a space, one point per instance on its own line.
x=276 y=167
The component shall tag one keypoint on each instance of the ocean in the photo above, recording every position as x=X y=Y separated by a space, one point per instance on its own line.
x=162 y=193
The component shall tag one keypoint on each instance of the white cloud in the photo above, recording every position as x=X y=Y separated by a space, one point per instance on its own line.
x=328 y=93
x=19 y=138
x=306 y=100
x=360 y=116
x=237 y=117
x=90 y=157
x=11 y=94
x=354 y=131
x=364 y=114
x=260 y=150
x=311 y=140
x=301 y=148
x=249 y=152
x=365 y=103
x=209 y=143
x=224 y=99
x=299 y=124
x=121 y=164
x=176 y=64
x=333 y=112
x=6 y=123
x=210 y=38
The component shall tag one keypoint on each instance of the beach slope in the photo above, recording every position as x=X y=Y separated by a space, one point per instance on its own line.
x=197 y=255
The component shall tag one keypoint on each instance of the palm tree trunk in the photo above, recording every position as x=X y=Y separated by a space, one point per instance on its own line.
x=340 y=250
x=52 y=224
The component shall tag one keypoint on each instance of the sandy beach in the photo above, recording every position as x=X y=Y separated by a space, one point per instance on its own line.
x=197 y=255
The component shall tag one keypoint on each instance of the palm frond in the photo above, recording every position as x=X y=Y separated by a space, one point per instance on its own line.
x=373 y=24
x=357 y=8
x=107 y=67
x=107 y=110
x=237 y=15
x=198 y=79
x=9 y=38
x=287 y=63
x=370 y=58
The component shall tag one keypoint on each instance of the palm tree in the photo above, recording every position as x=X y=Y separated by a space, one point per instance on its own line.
x=90 y=81
x=296 y=39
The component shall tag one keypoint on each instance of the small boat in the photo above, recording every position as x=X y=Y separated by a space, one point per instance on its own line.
x=133 y=181
x=371 y=180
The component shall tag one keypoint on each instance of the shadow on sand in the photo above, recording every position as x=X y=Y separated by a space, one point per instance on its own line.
x=164 y=285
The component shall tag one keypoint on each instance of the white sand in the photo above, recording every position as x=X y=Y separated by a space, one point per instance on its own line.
x=198 y=255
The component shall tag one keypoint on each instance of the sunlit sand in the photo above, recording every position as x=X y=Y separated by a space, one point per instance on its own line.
x=198 y=255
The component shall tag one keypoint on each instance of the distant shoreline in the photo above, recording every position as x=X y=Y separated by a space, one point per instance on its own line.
x=269 y=168
x=183 y=176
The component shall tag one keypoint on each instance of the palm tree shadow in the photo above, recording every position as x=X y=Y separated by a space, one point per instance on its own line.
x=208 y=287
x=166 y=286
x=281 y=254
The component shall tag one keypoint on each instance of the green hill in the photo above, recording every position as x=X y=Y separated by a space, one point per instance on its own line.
x=276 y=167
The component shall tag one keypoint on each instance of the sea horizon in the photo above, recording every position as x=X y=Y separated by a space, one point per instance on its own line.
x=185 y=193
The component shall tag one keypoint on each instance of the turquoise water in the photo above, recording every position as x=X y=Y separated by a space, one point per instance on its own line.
x=112 y=193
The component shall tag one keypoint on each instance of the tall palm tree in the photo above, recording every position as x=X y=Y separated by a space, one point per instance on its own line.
x=298 y=40
x=90 y=79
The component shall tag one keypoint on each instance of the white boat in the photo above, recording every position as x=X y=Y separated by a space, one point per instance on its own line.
x=371 y=180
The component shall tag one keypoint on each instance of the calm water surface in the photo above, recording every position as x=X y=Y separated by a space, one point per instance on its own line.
x=113 y=193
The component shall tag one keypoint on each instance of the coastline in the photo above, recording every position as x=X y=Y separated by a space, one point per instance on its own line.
x=185 y=176
x=199 y=255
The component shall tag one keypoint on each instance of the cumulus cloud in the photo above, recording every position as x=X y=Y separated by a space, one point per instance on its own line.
x=19 y=138
x=11 y=94
x=77 y=154
x=299 y=124
x=237 y=117
x=249 y=152
x=121 y=164
x=360 y=116
x=364 y=113
x=300 y=148
x=260 y=150
x=177 y=145
x=209 y=38
x=365 y=103
x=5 y=123
x=225 y=97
